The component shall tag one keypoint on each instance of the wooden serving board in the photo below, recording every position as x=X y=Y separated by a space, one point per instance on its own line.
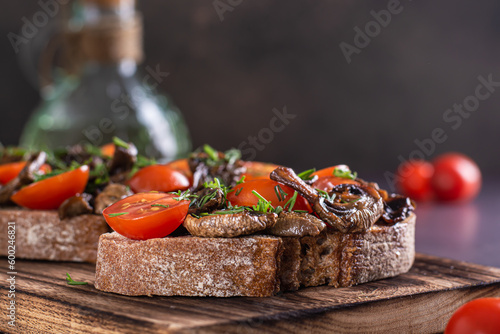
x=420 y=301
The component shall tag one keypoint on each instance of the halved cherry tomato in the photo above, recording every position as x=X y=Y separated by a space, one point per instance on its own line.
x=327 y=183
x=49 y=194
x=329 y=170
x=146 y=215
x=477 y=316
x=258 y=170
x=243 y=196
x=182 y=166
x=414 y=179
x=11 y=170
x=108 y=150
x=456 y=177
x=158 y=178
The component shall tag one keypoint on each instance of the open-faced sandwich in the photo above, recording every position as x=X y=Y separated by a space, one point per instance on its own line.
x=251 y=229
x=55 y=199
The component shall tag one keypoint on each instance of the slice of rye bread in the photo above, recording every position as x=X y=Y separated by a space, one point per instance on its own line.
x=255 y=266
x=41 y=235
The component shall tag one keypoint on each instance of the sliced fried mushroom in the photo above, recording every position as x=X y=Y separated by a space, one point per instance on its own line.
x=205 y=170
x=75 y=206
x=295 y=224
x=122 y=162
x=229 y=225
x=208 y=200
x=111 y=194
x=397 y=208
x=354 y=208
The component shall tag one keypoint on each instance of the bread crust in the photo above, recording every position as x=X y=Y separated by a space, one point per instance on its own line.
x=41 y=235
x=256 y=266
x=189 y=266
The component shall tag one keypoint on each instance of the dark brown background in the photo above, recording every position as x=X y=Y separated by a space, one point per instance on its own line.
x=227 y=76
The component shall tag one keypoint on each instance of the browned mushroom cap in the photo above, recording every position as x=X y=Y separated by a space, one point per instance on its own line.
x=75 y=206
x=354 y=208
x=396 y=208
x=295 y=224
x=208 y=200
x=122 y=162
x=111 y=194
x=229 y=225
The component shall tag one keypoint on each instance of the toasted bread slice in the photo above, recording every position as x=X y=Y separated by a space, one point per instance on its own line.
x=255 y=265
x=41 y=235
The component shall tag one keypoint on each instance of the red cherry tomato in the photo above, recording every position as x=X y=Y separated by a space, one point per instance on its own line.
x=329 y=170
x=158 y=178
x=108 y=150
x=414 y=179
x=258 y=170
x=182 y=166
x=146 y=215
x=49 y=194
x=480 y=316
x=243 y=196
x=11 y=170
x=327 y=183
x=456 y=177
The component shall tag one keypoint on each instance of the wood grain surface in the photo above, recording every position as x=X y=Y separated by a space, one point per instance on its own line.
x=420 y=301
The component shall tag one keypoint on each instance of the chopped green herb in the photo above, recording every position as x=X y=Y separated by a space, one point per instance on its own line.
x=301 y=211
x=307 y=174
x=232 y=155
x=291 y=202
x=344 y=173
x=211 y=152
x=93 y=150
x=241 y=180
x=73 y=282
x=118 y=214
x=278 y=210
x=121 y=143
x=227 y=212
x=238 y=191
x=263 y=205
x=280 y=193
x=161 y=205
x=40 y=177
x=184 y=195
x=325 y=195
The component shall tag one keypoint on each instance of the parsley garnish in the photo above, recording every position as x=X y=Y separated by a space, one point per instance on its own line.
x=344 y=173
x=72 y=282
